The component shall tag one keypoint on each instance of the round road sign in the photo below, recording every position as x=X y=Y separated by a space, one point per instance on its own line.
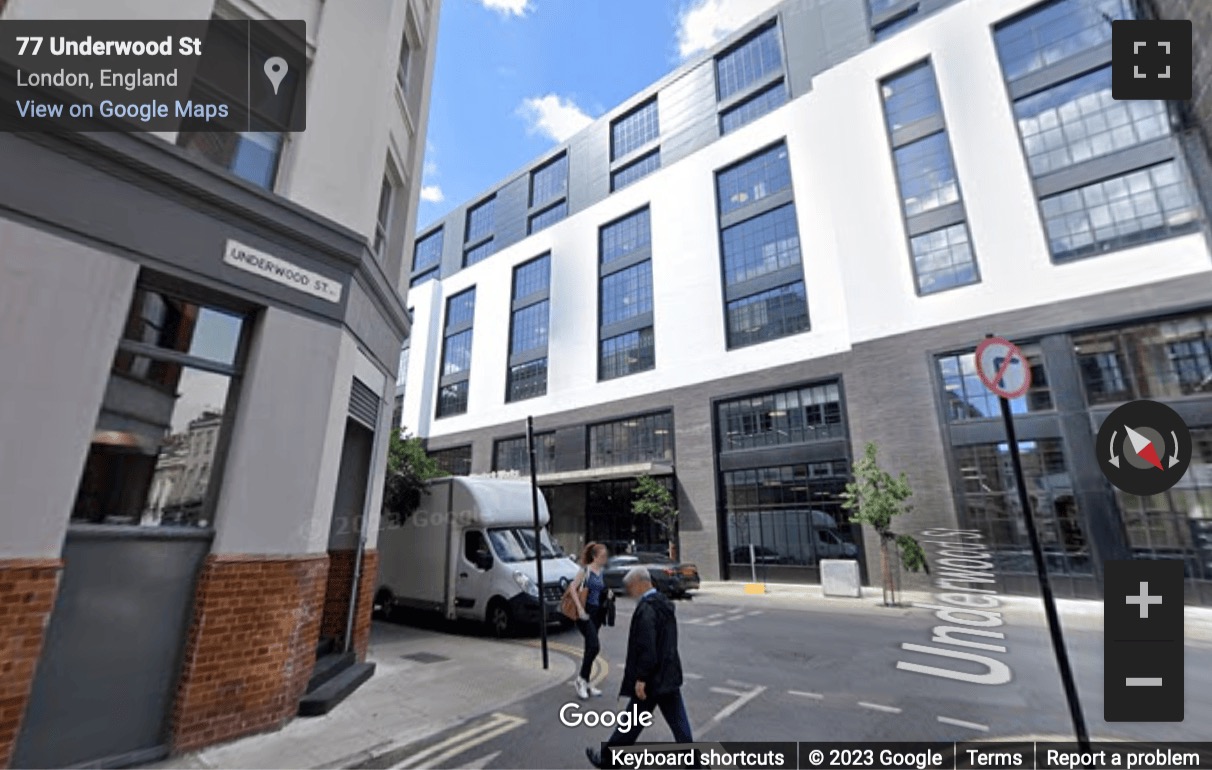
x=1003 y=367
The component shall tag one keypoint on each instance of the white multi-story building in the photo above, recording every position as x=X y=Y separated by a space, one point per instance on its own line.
x=136 y=299
x=791 y=247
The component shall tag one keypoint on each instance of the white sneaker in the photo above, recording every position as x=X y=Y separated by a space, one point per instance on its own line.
x=582 y=688
x=595 y=692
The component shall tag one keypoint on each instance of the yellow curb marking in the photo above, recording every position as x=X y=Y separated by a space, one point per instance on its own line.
x=601 y=666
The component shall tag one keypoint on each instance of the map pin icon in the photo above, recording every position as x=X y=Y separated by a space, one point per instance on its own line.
x=275 y=70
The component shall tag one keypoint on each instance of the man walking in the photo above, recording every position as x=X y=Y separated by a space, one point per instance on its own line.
x=652 y=677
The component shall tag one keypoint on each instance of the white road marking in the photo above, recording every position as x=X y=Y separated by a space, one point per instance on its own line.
x=754 y=612
x=726 y=691
x=962 y=723
x=482 y=762
x=735 y=683
x=731 y=708
x=692 y=676
x=813 y=695
x=715 y=623
x=497 y=724
x=878 y=707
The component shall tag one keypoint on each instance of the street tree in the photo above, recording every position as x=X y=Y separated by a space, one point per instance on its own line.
x=654 y=500
x=876 y=498
x=408 y=468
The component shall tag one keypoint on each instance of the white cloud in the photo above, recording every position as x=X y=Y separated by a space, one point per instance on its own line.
x=432 y=193
x=703 y=23
x=553 y=116
x=508 y=8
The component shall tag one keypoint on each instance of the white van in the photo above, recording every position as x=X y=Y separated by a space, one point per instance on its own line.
x=468 y=552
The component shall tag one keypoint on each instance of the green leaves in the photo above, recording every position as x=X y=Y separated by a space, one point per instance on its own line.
x=654 y=500
x=875 y=498
x=408 y=468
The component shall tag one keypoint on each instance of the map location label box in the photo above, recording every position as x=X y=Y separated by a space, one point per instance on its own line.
x=161 y=76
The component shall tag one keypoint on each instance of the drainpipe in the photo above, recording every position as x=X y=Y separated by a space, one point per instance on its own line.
x=358 y=555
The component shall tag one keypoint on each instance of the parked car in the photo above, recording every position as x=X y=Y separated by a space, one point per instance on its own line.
x=761 y=555
x=669 y=577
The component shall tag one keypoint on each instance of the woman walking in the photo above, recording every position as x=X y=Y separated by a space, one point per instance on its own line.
x=592 y=613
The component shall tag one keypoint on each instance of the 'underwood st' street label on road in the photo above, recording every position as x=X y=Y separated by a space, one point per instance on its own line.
x=1003 y=367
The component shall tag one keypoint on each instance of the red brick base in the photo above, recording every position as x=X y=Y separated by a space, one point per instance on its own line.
x=336 y=600
x=27 y=596
x=251 y=648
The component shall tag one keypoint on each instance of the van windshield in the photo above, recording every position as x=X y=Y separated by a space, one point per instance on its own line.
x=514 y=544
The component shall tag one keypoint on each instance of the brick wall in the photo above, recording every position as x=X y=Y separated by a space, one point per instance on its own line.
x=336 y=600
x=251 y=648
x=27 y=596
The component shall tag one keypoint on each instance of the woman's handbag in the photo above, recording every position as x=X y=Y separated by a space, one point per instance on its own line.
x=568 y=605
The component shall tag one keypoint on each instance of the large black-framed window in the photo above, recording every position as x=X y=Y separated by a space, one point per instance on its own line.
x=528 y=330
x=625 y=327
x=634 y=149
x=479 y=242
x=750 y=78
x=455 y=373
x=609 y=518
x=427 y=256
x=548 y=194
x=1163 y=359
x=454 y=460
x=791 y=515
x=512 y=454
x=1108 y=175
x=791 y=416
x=646 y=438
x=991 y=505
x=765 y=297
x=965 y=397
x=931 y=202
x=159 y=443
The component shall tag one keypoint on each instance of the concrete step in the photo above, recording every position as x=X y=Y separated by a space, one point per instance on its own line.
x=326 y=646
x=328 y=667
x=331 y=693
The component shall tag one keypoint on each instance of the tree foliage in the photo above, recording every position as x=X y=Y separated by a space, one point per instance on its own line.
x=876 y=498
x=408 y=468
x=654 y=500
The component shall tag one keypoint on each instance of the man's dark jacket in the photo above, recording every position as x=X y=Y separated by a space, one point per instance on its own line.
x=652 y=649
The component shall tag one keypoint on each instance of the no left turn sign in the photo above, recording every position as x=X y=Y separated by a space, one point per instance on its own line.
x=1003 y=367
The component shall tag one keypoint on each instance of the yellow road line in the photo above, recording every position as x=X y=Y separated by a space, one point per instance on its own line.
x=601 y=666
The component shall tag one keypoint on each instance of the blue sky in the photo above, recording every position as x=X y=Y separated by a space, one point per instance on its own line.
x=513 y=78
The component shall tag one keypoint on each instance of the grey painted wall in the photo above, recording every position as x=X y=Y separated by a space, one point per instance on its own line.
x=62 y=308
x=279 y=480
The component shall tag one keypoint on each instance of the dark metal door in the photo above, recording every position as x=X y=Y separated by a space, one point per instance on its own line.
x=103 y=692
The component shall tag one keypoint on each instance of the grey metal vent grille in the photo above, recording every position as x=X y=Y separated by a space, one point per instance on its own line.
x=364 y=405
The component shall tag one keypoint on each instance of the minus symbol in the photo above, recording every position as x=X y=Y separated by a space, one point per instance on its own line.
x=1143 y=681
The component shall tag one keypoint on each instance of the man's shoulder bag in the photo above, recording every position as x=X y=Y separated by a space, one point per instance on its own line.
x=568 y=605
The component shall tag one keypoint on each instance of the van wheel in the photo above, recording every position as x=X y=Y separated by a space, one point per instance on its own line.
x=384 y=604
x=500 y=622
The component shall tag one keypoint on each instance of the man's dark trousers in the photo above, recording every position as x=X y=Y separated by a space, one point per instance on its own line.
x=672 y=707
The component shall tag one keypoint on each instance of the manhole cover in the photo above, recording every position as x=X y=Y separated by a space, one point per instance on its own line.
x=425 y=657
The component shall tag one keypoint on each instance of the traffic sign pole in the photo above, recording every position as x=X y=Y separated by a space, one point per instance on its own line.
x=1041 y=568
x=538 y=539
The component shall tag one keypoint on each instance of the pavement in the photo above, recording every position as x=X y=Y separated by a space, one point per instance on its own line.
x=405 y=701
x=759 y=667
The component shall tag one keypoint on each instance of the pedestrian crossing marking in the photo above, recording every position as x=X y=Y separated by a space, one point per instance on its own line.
x=692 y=676
x=497 y=724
